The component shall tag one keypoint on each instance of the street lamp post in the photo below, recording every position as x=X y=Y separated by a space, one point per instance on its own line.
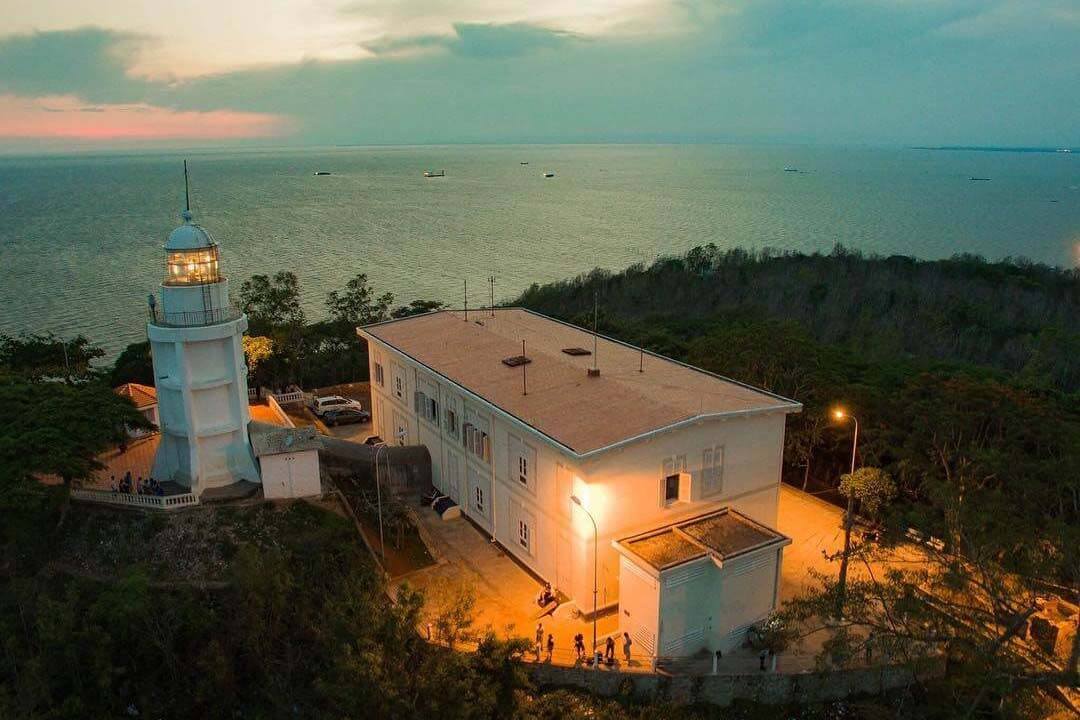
x=400 y=435
x=595 y=588
x=378 y=496
x=849 y=518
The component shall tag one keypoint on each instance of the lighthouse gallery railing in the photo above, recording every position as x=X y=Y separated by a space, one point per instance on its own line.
x=195 y=318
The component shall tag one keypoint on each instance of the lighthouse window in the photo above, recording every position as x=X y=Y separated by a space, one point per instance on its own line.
x=192 y=267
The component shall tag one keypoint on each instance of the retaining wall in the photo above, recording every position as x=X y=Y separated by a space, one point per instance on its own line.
x=767 y=688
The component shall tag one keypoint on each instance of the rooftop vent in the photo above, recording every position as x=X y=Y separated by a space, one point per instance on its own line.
x=516 y=361
x=576 y=351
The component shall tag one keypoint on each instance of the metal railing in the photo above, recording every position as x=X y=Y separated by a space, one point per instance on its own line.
x=195 y=318
x=155 y=502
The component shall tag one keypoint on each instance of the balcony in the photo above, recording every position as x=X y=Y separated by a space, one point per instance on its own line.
x=195 y=318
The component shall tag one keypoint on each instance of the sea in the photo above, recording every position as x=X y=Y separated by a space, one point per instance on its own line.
x=81 y=236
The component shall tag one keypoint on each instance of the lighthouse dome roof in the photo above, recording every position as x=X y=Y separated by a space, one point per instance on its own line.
x=189 y=236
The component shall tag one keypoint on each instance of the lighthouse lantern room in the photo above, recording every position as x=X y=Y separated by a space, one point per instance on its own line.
x=196 y=337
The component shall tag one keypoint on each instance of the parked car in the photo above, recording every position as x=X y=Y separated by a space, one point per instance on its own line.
x=345 y=415
x=320 y=405
x=374 y=440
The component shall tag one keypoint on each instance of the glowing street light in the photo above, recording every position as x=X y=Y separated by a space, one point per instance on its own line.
x=595 y=590
x=849 y=516
x=842 y=414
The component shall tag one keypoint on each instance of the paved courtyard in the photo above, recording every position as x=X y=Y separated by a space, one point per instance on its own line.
x=505 y=591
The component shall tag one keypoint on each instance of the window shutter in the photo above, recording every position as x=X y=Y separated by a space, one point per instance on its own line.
x=684 y=487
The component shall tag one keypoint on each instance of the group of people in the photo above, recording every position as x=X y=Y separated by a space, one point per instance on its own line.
x=137 y=486
x=579 y=647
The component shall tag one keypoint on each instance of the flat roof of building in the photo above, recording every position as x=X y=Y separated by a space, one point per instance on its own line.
x=273 y=440
x=721 y=534
x=635 y=394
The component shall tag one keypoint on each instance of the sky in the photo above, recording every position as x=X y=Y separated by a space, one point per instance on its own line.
x=148 y=73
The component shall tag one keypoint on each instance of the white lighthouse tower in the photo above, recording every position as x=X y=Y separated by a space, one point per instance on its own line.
x=195 y=338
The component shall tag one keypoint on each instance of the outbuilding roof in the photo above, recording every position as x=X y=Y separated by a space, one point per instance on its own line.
x=143 y=396
x=635 y=393
x=721 y=534
x=273 y=440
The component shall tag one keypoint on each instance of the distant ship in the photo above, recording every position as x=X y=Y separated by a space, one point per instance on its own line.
x=432 y=173
x=549 y=174
x=791 y=169
x=979 y=178
x=320 y=172
x=1064 y=150
x=524 y=162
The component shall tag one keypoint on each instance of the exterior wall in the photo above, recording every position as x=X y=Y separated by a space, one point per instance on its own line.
x=625 y=486
x=150 y=413
x=622 y=488
x=291 y=475
x=201 y=380
x=802 y=685
x=639 y=606
x=697 y=605
x=747 y=590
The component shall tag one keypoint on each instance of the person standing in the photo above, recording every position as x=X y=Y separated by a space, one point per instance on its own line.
x=626 y=643
x=609 y=650
x=539 y=640
x=550 y=646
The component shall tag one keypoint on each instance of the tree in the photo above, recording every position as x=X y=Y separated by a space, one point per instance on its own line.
x=272 y=303
x=135 y=364
x=871 y=488
x=38 y=357
x=50 y=428
x=417 y=307
x=357 y=303
x=257 y=348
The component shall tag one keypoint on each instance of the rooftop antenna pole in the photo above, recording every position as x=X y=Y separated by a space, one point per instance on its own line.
x=492 y=296
x=641 y=359
x=466 y=300
x=187 y=195
x=524 y=384
x=595 y=322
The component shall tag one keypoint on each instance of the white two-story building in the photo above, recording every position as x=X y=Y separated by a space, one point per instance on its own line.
x=521 y=412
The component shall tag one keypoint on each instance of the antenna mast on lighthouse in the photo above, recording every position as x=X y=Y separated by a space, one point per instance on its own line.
x=187 y=195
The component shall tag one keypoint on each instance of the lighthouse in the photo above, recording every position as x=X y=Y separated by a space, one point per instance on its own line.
x=195 y=338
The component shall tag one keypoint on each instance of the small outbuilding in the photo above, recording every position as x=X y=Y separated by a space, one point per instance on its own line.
x=699 y=583
x=144 y=397
x=288 y=460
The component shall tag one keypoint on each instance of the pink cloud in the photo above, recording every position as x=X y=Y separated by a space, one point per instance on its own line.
x=66 y=117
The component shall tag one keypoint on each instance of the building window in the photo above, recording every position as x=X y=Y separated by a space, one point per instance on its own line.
x=523 y=469
x=451 y=422
x=476 y=441
x=523 y=534
x=522 y=461
x=671 y=488
x=379 y=375
x=675 y=487
x=399 y=387
x=426 y=407
x=712 y=470
x=478 y=500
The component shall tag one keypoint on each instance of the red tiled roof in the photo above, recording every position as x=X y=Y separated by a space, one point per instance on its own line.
x=143 y=396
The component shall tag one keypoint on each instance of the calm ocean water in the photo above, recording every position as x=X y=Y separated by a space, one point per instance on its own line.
x=80 y=241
